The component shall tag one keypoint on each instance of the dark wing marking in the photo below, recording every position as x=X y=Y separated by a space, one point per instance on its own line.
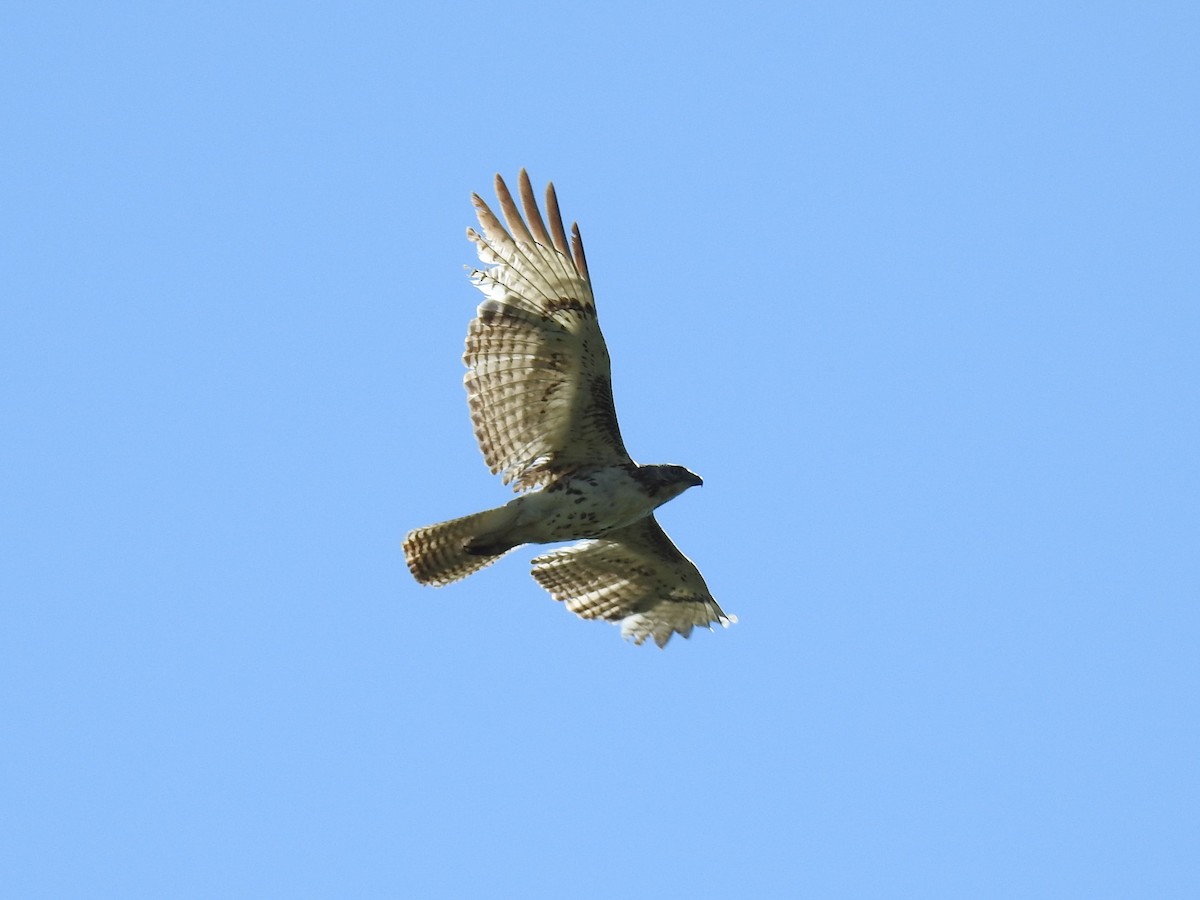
x=538 y=380
x=634 y=575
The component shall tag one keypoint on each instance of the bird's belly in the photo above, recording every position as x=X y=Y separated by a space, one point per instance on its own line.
x=583 y=507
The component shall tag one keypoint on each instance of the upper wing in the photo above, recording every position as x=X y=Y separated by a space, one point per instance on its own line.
x=636 y=575
x=538 y=380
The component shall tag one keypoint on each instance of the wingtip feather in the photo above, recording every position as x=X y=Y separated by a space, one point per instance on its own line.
x=556 y=223
x=532 y=214
x=577 y=251
x=512 y=216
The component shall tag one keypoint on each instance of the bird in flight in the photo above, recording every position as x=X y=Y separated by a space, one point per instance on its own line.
x=539 y=389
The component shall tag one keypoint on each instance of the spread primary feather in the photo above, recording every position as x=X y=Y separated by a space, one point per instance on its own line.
x=539 y=389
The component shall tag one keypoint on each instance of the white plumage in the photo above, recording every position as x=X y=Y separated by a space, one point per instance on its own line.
x=540 y=393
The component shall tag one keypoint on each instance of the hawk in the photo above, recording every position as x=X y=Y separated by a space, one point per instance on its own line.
x=540 y=393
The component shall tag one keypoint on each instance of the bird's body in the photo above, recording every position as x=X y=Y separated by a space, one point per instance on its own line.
x=540 y=394
x=587 y=503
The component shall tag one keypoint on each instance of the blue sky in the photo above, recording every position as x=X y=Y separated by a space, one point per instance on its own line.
x=914 y=287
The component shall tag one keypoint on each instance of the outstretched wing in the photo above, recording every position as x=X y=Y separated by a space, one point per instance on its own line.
x=538 y=379
x=634 y=575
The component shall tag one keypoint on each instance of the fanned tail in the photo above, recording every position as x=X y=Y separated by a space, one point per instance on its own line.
x=439 y=554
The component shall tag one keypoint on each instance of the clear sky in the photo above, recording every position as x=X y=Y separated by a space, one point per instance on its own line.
x=914 y=287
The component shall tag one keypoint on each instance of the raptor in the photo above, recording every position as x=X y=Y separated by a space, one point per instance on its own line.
x=539 y=388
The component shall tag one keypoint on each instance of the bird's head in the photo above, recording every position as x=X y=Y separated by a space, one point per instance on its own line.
x=664 y=483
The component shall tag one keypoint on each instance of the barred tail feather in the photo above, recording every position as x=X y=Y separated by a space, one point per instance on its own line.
x=439 y=554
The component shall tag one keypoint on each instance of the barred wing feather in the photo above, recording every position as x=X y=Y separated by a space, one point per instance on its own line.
x=539 y=381
x=634 y=575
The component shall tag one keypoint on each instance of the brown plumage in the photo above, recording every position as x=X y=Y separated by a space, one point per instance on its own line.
x=539 y=389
